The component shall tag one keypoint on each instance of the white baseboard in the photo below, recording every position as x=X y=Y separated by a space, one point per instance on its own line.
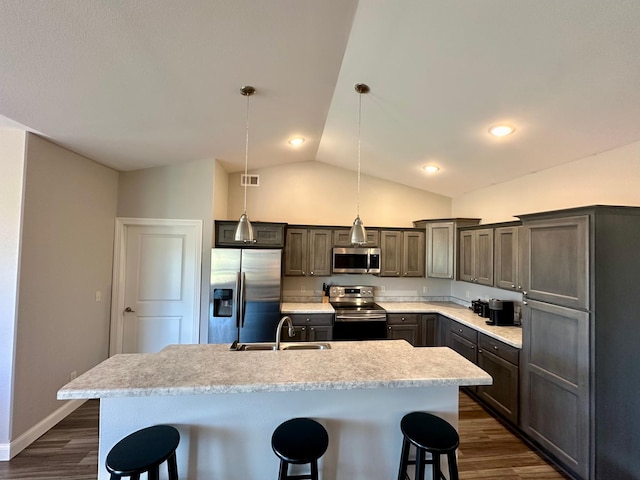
x=10 y=450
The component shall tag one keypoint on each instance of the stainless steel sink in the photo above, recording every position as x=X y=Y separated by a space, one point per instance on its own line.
x=245 y=347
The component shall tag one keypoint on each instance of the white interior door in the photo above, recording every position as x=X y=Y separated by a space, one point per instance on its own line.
x=158 y=276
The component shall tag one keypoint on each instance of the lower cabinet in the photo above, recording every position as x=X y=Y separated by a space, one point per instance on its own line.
x=419 y=329
x=501 y=361
x=312 y=327
x=403 y=326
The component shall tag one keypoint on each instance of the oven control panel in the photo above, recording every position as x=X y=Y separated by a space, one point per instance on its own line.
x=355 y=291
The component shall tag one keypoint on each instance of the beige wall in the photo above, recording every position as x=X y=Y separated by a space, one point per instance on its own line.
x=12 y=144
x=609 y=178
x=66 y=256
x=180 y=191
x=321 y=194
x=220 y=192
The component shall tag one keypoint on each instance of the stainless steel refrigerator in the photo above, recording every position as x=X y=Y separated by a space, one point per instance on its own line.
x=244 y=295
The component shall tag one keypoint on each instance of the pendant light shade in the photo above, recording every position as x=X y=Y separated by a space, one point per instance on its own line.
x=244 y=230
x=358 y=234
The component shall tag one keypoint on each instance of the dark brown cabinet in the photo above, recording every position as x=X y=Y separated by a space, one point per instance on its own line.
x=267 y=235
x=404 y=326
x=402 y=253
x=476 y=256
x=341 y=237
x=307 y=252
x=501 y=361
x=506 y=266
x=314 y=327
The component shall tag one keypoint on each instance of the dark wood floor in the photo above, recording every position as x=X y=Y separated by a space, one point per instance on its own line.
x=487 y=450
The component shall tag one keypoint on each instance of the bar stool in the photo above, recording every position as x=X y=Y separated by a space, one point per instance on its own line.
x=144 y=451
x=299 y=441
x=432 y=434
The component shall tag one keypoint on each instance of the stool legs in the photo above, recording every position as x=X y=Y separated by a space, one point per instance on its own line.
x=404 y=460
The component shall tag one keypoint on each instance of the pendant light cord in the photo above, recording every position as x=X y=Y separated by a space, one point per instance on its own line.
x=246 y=158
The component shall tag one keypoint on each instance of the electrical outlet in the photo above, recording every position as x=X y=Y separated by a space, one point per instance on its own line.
x=424 y=289
x=468 y=294
x=73 y=375
x=382 y=289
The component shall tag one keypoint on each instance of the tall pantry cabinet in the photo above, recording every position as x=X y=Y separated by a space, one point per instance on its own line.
x=580 y=370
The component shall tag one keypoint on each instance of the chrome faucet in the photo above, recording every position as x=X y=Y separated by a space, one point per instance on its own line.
x=292 y=332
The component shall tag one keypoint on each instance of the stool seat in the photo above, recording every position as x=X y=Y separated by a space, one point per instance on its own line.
x=144 y=451
x=428 y=434
x=299 y=441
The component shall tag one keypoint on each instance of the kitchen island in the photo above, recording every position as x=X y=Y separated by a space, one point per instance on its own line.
x=226 y=404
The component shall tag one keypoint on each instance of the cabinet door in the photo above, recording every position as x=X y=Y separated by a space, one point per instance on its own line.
x=484 y=256
x=428 y=330
x=391 y=253
x=466 y=262
x=320 y=333
x=502 y=396
x=443 y=331
x=555 y=261
x=319 y=252
x=555 y=382
x=441 y=250
x=408 y=332
x=341 y=237
x=300 y=334
x=296 y=252
x=506 y=258
x=413 y=251
x=265 y=234
x=464 y=347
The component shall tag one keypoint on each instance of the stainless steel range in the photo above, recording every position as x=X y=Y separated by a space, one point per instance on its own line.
x=358 y=317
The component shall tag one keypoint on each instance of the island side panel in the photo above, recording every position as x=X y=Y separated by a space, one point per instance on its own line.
x=229 y=435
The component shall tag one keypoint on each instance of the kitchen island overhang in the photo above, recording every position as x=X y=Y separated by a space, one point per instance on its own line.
x=226 y=404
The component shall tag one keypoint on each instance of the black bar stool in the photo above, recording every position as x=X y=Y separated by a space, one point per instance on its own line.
x=432 y=434
x=299 y=441
x=144 y=451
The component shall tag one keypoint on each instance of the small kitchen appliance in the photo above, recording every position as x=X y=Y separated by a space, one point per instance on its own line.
x=500 y=312
x=480 y=307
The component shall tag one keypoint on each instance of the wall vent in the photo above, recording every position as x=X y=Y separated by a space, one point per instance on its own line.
x=249 y=180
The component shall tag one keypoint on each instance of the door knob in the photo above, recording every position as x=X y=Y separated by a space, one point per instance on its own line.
x=129 y=310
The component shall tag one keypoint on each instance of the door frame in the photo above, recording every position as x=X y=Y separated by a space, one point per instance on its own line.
x=119 y=273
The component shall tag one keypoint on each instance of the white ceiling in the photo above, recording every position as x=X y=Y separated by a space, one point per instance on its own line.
x=139 y=83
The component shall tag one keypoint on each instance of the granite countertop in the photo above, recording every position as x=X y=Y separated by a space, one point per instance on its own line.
x=214 y=369
x=509 y=335
x=289 y=308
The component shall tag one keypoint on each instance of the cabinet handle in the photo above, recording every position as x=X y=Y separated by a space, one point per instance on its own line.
x=524 y=293
x=308 y=319
x=311 y=273
x=460 y=330
x=479 y=351
x=473 y=347
x=525 y=303
x=304 y=328
x=403 y=319
x=495 y=347
x=312 y=329
x=513 y=286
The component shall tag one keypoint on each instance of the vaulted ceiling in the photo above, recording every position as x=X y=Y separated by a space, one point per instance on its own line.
x=140 y=83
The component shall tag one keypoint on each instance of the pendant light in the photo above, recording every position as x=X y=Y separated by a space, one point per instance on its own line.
x=244 y=230
x=358 y=235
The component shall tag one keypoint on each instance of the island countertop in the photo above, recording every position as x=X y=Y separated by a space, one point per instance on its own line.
x=214 y=369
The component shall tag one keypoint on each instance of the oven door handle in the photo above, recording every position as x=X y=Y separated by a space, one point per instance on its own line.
x=351 y=318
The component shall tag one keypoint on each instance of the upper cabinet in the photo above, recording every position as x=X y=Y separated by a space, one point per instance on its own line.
x=308 y=252
x=554 y=261
x=266 y=235
x=441 y=244
x=506 y=270
x=342 y=237
x=476 y=256
x=402 y=253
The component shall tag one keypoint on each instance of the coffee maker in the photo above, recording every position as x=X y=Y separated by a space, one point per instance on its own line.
x=500 y=312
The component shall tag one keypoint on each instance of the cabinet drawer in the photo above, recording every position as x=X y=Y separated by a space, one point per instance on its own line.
x=402 y=318
x=500 y=349
x=464 y=347
x=464 y=331
x=312 y=318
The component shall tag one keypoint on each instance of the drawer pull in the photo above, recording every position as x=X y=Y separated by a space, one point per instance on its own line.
x=495 y=347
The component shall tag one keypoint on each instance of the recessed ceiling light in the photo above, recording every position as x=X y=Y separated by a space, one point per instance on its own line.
x=296 y=141
x=430 y=168
x=502 y=130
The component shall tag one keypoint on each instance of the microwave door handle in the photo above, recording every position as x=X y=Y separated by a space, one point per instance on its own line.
x=368 y=262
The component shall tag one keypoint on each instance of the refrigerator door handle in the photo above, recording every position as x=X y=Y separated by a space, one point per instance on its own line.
x=238 y=299
x=242 y=300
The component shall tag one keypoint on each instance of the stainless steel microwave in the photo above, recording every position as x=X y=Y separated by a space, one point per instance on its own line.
x=356 y=260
